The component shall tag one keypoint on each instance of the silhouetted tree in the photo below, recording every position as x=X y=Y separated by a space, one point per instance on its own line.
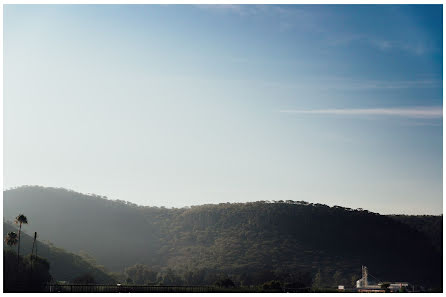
x=225 y=283
x=385 y=286
x=353 y=280
x=300 y=280
x=317 y=281
x=140 y=274
x=170 y=278
x=11 y=239
x=84 y=279
x=37 y=272
x=129 y=281
x=34 y=244
x=272 y=285
x=32 y=277
x=337 y=278
x=20 y=219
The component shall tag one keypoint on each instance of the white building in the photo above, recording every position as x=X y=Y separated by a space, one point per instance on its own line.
x=363 y=284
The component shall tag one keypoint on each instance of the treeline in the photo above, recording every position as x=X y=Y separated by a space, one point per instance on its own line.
x=249 y=243
x=140 y=274
x=267 y=240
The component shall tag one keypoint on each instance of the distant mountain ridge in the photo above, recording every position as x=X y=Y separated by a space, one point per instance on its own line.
x=235 y=238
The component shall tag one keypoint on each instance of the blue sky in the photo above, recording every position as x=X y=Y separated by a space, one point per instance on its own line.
x=182 y=105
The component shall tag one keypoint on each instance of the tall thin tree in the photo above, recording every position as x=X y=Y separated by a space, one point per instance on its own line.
x=34 y=244
x=20 y=219
x=32 y=253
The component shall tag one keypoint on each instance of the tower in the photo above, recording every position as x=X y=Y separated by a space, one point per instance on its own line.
x=363 y=281
x=365 y=276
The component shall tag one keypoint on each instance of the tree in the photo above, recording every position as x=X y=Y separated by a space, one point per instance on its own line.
x=385 y=286
x=11 y=239
x=37 y=272
x=226 y=283
x=317 y=282
x=353 y=280
x=300 y=279
x=20 y=219
x=141 y=274
x=34 y=244
x=337 y=278
x=84 y=279
x=170 y=278
x=32 y=277
x=272 y=285
x=129 y=281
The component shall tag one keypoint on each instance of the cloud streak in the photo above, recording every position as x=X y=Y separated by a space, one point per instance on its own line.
x=385 y=45
x=435 y=112
x=304 y=18
x=241 y=10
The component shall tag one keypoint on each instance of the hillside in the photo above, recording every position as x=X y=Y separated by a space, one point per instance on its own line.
x=431 y=226
x=64 y=266
x=250 y=242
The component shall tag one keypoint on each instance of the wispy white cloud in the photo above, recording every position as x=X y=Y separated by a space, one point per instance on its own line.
x=341 y=83
x=297 y=17
x=423 y=112
x=317 y=21
x=242 y=10
x=384 y=45
x=345 y=83
x=415 y=48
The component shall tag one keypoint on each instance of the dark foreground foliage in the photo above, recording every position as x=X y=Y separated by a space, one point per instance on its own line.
x=27 y=274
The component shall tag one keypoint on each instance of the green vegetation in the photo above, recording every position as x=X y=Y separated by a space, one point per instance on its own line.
x=292 y=243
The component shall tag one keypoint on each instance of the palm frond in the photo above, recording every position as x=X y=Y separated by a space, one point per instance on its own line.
x=21 y=218
x=11 y=239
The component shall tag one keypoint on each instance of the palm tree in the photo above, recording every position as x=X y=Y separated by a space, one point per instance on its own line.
x=11 y=238
x=20 y=219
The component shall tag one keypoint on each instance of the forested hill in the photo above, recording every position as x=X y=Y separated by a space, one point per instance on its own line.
x=251 y=242
x=64 y=266
x=431 y=226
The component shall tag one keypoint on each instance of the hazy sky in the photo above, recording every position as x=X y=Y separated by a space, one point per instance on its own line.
x=183 y=105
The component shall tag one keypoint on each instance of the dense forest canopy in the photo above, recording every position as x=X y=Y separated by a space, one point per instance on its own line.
x=249 y=243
